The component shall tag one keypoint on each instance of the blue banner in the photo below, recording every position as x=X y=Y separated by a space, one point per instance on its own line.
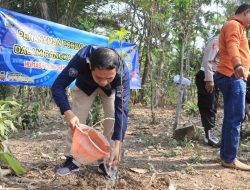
x=34 y=51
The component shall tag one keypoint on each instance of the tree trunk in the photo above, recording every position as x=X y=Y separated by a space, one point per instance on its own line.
x=148 y=61
x=152 y=97
x=44 y=10
x=181 y=88
x=145 y=73
x=159 y=94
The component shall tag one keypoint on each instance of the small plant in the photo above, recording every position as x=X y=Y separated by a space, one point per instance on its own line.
x=10 y=160
x=150 y=142
x=191 y=108
x=171 y=142
x=186 y=143
x=173 y=153
x=195 y=159
x=151 y=167
x=141 y=136
x=118 y=35
x=190 y=170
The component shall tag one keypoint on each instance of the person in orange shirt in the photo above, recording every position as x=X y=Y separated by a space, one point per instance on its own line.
x=231 y=76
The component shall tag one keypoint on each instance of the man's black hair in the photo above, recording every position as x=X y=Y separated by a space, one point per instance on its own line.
x=104 y=58
x=243 y=7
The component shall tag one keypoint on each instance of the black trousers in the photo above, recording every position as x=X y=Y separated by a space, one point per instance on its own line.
x=207 y=102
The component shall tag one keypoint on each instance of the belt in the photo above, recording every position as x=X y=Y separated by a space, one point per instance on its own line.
x=203 y=69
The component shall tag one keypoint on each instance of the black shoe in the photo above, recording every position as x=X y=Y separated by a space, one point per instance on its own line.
x=210 y=138
x=68 y=167
x=108 y=172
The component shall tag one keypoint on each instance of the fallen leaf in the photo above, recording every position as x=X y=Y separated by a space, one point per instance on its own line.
x=46 y=155
x=130 y=133
x=139 y=170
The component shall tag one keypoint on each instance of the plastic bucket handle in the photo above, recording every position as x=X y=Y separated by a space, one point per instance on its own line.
x=87 y=134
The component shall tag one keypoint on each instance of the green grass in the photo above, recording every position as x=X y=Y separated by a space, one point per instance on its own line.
x=195 y=158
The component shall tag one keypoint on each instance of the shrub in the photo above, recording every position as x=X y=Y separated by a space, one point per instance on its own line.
x=28 y=116
x=8 y=114
x=191 y=108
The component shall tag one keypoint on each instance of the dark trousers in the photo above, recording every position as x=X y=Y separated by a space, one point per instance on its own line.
x=207 y=102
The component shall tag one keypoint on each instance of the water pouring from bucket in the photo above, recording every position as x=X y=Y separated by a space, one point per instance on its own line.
x=89 y=145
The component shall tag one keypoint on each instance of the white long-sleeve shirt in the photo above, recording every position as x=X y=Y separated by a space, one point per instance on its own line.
x=210 y=58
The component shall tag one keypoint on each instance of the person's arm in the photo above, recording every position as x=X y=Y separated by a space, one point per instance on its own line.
x=120 y=117
x=64 y=79
x=233 y=34
x=211 y=53
x=121 y=109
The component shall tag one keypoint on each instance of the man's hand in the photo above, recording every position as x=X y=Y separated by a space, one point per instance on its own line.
x=114 y=155
x=71 y=119
x=239 y=72
x=209 y=86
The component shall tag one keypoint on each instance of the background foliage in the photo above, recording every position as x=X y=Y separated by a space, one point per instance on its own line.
x=170 y=35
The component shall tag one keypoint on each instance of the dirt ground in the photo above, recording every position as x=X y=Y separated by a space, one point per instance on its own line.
x=150 y=158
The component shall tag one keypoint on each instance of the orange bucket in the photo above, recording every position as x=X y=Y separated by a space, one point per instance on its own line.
x=89 y=145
